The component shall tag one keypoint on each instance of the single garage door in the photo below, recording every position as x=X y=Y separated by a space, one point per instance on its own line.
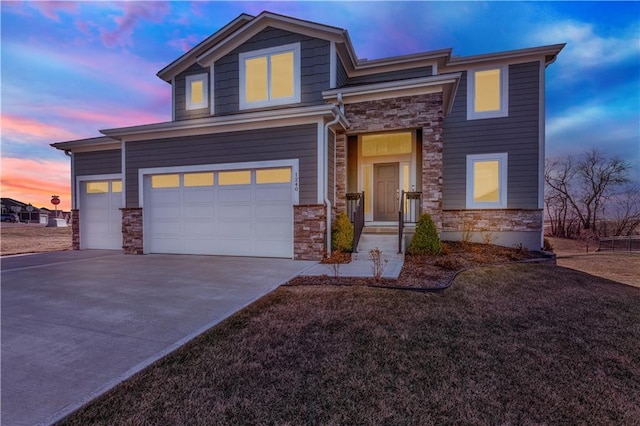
x=100 y=216
x=227 y=212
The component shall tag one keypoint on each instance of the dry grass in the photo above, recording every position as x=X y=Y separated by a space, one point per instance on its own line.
x=518 y=344
x=623 y=267
x=18 y=238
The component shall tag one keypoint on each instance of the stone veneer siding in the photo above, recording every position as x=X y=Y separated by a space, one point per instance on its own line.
x=132 y=230
x=407 y=112
x=309 y=231
x=75 y=229
x=341 y=172
x=493 y=220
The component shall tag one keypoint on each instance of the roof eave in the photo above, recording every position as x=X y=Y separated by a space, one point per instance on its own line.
x=549 y=52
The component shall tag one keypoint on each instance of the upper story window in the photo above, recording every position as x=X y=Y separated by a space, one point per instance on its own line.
x=488 y=93
x=270 y=76
x=487 y=181
x=197 y=91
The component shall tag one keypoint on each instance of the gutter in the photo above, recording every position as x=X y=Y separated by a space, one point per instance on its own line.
x=73 y=178
x=325 y=146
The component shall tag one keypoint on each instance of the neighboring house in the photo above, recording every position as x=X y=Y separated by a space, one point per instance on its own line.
x=9 y=205
x=276 y=123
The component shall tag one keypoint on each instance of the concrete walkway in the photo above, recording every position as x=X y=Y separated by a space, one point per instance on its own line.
x=76 y=323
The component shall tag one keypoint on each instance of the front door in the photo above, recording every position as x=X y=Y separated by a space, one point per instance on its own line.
x=386 y=184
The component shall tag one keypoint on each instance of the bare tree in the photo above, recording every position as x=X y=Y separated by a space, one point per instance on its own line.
x=625 y=211
x=579 y=189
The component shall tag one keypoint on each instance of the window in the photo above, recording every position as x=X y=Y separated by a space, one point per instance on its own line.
x=386 y=144
x=198 y=179
x=488 y=93
x=487 y=181
x=241 y=177
x=270 y=76
x=97 y=187
x=273 y=176
x=165 y=181
x=116 y=186
x=197 y=92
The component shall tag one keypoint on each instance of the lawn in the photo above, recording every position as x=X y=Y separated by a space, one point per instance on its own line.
x=19 y=238
x=521 y=343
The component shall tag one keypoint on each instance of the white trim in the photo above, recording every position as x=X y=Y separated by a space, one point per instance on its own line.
x=123 y=172
x=212 y=95
x=541 y=137
x=205 y=91
x=250 y=165
x=268 y=52
x=173 y=99
x=504 y=94
x=333 y=70
x=320 y=163
x=502 y=159
x=434 y=69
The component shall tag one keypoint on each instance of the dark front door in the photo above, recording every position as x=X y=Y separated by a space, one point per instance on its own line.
x=385 y=183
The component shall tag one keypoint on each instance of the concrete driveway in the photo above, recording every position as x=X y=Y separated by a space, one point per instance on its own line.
x=76 y=323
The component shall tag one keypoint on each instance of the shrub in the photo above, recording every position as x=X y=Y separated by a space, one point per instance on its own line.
x=425 y=240
x=342 y=233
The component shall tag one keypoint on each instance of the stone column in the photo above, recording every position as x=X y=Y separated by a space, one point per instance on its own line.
x=132 y=230
x=309 y=231
x=341 y=172
x=75 y=229
x=432 y=169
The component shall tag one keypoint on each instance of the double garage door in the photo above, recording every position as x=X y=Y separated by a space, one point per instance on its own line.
x=224 y=212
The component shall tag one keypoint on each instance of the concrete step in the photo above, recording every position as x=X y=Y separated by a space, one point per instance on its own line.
x=387 y=243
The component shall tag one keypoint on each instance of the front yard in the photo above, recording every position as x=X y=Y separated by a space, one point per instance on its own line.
x=520 y=343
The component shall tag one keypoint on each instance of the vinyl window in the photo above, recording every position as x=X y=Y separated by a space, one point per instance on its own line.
x=488 y=93
x=487 y=181
x=270 y=76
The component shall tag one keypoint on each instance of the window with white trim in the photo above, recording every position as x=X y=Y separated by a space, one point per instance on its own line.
x=488 y=93
x=270 y=76
x=487 y=181
x=197 y=91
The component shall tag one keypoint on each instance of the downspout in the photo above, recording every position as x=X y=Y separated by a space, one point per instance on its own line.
x=73 y=180
x=326 y=167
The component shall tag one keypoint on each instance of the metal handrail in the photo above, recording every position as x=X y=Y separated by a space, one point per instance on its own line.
x=409 y=211
x=358 y=220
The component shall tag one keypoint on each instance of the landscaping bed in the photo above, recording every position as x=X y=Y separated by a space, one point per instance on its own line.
x=433 y=271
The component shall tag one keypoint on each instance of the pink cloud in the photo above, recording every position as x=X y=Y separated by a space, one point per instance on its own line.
x=51 y=9
x=184 y=44
x=26 y=129
x=133 y=12
x=34 y=182
x=101 y=117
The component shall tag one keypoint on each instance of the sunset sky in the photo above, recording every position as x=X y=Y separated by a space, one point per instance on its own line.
x=70 y=69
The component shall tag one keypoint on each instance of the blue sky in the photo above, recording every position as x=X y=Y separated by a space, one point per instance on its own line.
x=70 y=69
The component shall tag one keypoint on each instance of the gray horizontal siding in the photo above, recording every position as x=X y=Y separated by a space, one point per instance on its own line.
x=517 y=135
x=180 y=95
x=295 y=142
x=331 y=166
x=390 y=76
x=97 y=163
x=314 y=73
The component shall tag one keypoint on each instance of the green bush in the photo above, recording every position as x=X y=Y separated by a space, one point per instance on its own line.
x=425 y=240
x=342 y=233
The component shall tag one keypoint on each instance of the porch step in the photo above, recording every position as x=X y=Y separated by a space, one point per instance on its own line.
x=386 y=230
x=387 y=243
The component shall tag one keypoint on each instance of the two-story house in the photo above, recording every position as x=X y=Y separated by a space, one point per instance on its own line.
x=276 y=125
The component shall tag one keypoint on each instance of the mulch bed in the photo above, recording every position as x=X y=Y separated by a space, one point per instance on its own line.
x=433 y=271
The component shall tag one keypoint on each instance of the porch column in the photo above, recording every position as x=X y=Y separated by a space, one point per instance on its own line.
x=432 y=168
x=341 y=172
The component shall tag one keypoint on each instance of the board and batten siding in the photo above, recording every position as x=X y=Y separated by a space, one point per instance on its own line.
x=314 y=73
x=97 y=163
x=384 y=77
x=517 y=135
x=180 y=94
x=294 y=142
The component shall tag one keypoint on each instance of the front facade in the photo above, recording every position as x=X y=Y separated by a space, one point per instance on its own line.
x=276 y=125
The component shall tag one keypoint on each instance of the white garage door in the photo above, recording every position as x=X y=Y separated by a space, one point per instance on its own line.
x=100 y=216
x=230 y=212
